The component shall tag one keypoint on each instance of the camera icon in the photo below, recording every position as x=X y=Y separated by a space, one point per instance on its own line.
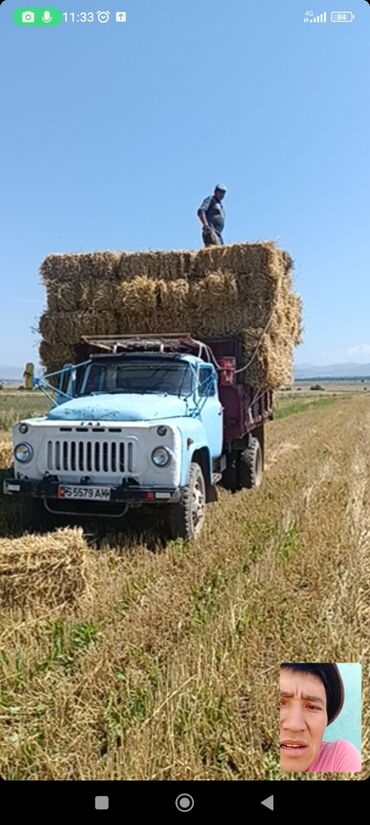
x=28 y=17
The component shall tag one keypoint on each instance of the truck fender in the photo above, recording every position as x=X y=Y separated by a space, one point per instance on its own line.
x=202 y=457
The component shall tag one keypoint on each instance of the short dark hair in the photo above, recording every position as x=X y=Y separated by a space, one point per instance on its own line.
x=329 y=675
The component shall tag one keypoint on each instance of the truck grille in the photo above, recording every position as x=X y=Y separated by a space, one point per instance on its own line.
x=90 y=456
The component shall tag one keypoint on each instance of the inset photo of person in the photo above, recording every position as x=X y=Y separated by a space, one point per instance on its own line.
x=320 y=717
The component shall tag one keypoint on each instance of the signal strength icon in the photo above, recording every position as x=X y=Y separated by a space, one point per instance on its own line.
x=321 y=18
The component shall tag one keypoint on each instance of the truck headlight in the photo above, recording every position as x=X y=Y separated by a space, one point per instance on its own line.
x=23 y=427
x=23 y=452
x=161 y=456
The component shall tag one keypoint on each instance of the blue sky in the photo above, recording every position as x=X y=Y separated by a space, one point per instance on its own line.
x=113 y=133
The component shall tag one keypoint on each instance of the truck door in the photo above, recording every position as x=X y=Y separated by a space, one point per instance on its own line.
x=210 y=407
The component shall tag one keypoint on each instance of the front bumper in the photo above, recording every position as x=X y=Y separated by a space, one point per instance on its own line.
x=120 y=494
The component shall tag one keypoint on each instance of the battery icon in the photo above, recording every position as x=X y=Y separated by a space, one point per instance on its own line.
x=342 y=17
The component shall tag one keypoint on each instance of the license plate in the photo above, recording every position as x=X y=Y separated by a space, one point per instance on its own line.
x=80 y=491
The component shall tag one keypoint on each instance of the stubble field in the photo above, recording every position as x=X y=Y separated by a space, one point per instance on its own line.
x=166 y=667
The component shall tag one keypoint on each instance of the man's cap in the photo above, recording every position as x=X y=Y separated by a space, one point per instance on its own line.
x=221 y=187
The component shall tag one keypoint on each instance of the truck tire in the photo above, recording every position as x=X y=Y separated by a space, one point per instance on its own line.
x=251 y=465
x=187 y=517
x=230 y=476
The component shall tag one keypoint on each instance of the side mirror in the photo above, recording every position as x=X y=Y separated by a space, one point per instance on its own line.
x=209 y=387
x=72 y=383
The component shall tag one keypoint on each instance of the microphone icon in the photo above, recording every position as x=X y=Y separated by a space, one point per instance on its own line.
x=46 y=17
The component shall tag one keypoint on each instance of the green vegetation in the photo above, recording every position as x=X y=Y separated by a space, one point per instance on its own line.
x=288 y=406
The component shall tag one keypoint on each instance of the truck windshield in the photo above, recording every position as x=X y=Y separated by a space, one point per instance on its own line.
x=139 y=377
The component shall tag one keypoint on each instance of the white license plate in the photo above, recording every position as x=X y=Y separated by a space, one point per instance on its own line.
x=84 y=492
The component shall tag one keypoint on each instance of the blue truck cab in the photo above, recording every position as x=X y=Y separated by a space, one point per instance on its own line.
x=136 y=424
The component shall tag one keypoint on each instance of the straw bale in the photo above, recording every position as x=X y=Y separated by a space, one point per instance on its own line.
x=272 y=359
x=242 y=258
x=80 y=265
x=6 y=455
x=212 y=305
x=237 y=289
x=63 y=296
x=60 y=268
x=294 y=310
x=155 y=265
x=137 y=298
x=69 y=326
x=42 y=569
x=54 y=354
x=62 y=330
x=97 y=295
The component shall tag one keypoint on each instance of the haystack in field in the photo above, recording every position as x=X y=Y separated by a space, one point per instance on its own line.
x=47 y=570
x=239 y=289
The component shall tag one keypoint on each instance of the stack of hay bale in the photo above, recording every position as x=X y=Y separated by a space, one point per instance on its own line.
x=238 y=289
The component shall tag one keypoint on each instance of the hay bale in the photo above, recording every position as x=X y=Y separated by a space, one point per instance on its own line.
x=257 y=258
x=6 y=455
x=63 y=296
x=97 y=296
x=238 y=289
x=156 y=265
x=53 y=354
x=59 y=268
x=271 y=359
x=44 y=570
x=62 y=330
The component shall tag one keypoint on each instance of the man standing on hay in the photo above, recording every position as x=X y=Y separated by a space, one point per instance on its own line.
x=212 y=217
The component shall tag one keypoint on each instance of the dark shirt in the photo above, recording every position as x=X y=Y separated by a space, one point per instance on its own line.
x=215 y=213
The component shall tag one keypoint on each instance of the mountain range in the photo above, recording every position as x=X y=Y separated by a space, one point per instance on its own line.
x=9 y=373
x=347 y=370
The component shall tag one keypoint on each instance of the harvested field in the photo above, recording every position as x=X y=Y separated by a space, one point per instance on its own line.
x=168 y=667
x=240 y=289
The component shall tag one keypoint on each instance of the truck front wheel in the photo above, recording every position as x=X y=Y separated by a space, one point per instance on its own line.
x=187 y=517
x=251 y=465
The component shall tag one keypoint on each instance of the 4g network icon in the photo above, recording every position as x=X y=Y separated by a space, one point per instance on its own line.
x=332 y=17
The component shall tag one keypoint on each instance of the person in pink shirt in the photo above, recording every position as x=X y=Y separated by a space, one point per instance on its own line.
x=311 y=697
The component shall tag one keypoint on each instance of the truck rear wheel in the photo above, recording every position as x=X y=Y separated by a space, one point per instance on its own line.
x=187 y=517
x=251 y=465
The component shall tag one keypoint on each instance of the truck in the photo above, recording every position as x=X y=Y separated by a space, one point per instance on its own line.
x=143 y=421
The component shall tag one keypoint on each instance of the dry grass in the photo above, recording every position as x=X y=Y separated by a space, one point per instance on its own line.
x=170 y=671
x=240 y=289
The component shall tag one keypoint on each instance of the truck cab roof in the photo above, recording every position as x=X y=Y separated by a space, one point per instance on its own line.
x=120 y=357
